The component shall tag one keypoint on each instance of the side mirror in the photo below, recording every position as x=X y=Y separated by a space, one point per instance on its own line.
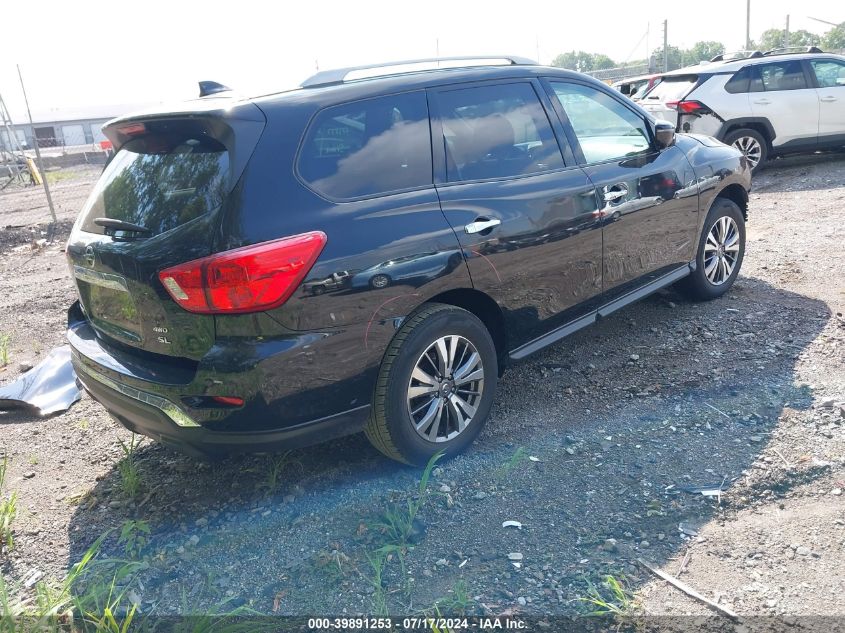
x=664 y=134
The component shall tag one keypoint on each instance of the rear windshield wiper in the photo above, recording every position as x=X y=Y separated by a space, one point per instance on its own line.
x=120 y=225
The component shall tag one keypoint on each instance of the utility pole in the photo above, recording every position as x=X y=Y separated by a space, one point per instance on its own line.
x=786 y=33
x=665 y=46
x=748 y=25
x=38 y=153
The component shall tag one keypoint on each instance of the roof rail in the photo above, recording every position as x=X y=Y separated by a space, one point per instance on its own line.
x=735 y=55
x=341 y=75
x=793 y=50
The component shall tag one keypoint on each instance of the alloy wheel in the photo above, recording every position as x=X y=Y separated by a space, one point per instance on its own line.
x=721 y=250
x=445 y=388
x=751 y=148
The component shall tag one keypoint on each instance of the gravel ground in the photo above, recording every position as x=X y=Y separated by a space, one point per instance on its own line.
x=594 y=447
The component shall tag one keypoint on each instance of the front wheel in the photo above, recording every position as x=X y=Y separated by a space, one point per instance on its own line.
x=721 y=249
x=435 y=386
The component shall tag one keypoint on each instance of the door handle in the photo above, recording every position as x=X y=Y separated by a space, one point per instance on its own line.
x=616 y=192
x=762 y=101
x=481 y=224
x=828 y=99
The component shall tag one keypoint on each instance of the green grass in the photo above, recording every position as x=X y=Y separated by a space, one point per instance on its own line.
x=397 y=522
x=610 y=598
x=8 y=509
x=275 y=468
x=379 y=599
x=130 y=475
x=458 y=602
x=518 y=456
x=4 y=350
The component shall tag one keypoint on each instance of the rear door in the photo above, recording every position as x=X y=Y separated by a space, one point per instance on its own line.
x=649 y=200
x=156 y=205
x=524 y=214
x=781 y=91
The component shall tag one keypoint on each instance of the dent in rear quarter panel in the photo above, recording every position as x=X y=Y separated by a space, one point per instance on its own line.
x=717 y=166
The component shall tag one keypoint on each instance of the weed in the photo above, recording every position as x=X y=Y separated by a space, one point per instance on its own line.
x=83 y=424
x=398 y=522
x=518 y=456
x=33 y=460
x=134 y=536
x=333 y=565
x=130 y=475
x=458 y=602
x=4 y=350
x=8 y=509
x=276 y=465
x=610 y=598
x=377 y=561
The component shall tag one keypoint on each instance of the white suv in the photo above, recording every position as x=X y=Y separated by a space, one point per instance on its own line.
x=765 y=104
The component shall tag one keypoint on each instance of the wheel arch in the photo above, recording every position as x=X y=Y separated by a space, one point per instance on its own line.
x=759 y=124
x=737 y=194
x=488 y=312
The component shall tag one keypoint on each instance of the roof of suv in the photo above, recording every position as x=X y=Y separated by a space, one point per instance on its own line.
x=713 y=68
x=357 y=88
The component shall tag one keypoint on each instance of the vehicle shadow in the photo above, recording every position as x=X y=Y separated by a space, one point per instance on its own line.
x=626 y=422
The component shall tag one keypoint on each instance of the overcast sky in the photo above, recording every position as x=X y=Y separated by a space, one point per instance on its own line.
x=86 y=53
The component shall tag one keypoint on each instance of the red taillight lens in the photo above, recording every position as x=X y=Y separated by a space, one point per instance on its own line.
x=249 y=279
x=688 y=107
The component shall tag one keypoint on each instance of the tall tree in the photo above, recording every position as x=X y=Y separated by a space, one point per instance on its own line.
x=834 y=39
x=582 y=61
x=703 y=51
x=774 y=38
x=676 y=58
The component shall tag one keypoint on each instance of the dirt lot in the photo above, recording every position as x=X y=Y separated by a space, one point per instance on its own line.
x=596 y=447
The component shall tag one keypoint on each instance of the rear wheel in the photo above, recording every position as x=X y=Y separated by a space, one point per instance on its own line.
x=752 y=144
x=380 y=281
x=721 y=249
x=435 y=386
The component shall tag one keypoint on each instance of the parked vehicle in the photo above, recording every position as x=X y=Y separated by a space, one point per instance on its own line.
x=635 y=87
x=546 y=202
x=764 y=104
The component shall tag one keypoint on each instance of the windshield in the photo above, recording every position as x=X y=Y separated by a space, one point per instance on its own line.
x=644 y=88
x=160 y=182
x=671 y=89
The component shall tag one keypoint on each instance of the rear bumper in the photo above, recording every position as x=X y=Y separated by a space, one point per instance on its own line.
x=300 y=388
x=148 y=414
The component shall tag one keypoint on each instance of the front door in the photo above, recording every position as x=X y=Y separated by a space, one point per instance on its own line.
x=525 y=217
x=830 y=79
x=648 y=195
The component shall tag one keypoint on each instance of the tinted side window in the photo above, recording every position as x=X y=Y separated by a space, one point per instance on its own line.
x=496 y=132
x=605 y=128
x=782 y=76
x=829 y=73
x=369 y=147
x=740 y=81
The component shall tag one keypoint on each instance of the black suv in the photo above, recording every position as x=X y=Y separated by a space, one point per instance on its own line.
x=370 y=253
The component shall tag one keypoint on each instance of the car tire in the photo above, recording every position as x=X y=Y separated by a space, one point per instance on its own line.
x=724 y=229
x=379 y=281
x=397 y=414
x=752 y=144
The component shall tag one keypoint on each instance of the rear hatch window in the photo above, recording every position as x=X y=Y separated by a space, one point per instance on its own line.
x=157 y=204
x=159 y=182
x=671 y=89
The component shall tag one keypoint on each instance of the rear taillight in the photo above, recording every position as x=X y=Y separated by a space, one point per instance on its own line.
x=249 y=279
x=688 y=107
